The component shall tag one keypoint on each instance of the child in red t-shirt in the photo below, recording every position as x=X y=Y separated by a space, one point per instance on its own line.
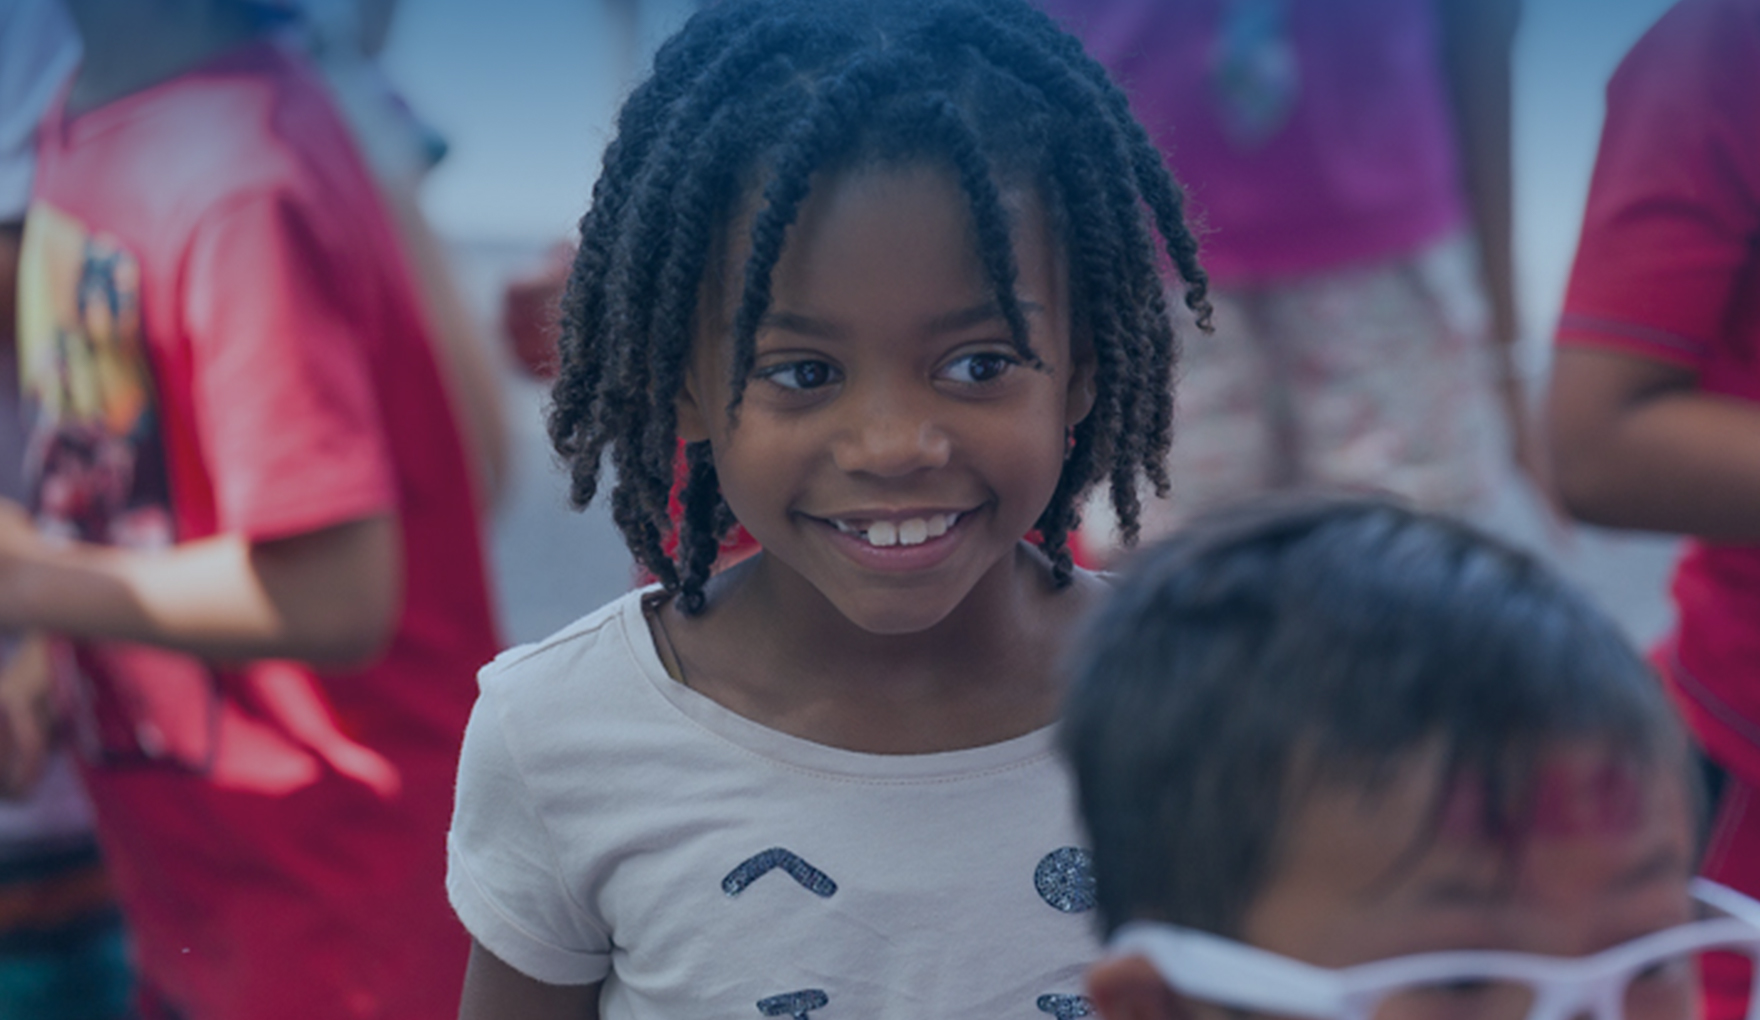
x=253 y=517
x=1656 y=394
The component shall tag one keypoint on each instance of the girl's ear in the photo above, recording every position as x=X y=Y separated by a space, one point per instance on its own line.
x=1130 y=988
x=693 y=423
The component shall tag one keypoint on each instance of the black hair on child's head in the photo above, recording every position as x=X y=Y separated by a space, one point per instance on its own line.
x=1299 y=642
x=753 y=97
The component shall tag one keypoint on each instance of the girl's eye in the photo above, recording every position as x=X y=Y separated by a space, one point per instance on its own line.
x=1464 y=987
x=976 y=369
x=800 y=375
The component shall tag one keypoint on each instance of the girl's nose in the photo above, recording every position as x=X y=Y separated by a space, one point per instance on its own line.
x=890 y=438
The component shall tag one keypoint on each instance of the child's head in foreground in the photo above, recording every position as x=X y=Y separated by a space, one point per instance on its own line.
x=1344 y=732
x=711 y=246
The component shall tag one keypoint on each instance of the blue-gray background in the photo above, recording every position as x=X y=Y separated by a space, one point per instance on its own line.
x=525 y=90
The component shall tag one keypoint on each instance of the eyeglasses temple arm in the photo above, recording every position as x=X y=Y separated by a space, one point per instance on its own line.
x=1213 y=969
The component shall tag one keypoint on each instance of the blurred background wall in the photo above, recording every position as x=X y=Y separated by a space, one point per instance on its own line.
x=525 y=90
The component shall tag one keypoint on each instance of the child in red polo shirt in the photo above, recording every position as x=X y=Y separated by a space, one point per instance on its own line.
x=1656 y=395
x=252 y=517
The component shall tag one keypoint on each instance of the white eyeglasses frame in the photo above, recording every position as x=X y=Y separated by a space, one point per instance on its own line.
x=1222 y=971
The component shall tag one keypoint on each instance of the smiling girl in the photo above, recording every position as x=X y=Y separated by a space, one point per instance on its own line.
x=887 y=269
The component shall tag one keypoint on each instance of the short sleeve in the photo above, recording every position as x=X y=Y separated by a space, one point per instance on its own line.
x=281 y=340
x=1674 y=206
x=502 y=870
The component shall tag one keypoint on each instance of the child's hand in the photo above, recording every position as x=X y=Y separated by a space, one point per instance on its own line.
x=26 y=714
x=18 y=534
x=21 y=543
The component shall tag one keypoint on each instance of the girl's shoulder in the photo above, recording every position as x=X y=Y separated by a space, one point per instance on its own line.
x=1087 y=590
x=608 y=637
x=1102 y=580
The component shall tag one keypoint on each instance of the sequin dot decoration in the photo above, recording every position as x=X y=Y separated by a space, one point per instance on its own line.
x=1065 y=879
x=794 y=1004
x=1066 y=1007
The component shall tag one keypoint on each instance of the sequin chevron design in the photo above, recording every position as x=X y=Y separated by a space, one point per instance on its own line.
x=757 y=866
x=798 y=1004
x=1065 y=879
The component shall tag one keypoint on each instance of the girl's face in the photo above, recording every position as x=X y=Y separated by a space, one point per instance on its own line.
x=892 y=449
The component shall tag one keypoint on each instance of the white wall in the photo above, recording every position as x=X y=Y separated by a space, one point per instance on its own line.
x=525 y=90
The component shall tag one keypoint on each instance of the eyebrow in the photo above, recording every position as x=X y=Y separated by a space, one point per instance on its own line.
x=804 y=325
x=1462 y=890
x=978 y=315
x=951 y=322
x=1659 y=864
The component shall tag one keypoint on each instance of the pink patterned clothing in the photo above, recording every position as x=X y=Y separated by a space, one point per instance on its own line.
x=1316 y=144
x=1350 y=157
x=1364 y=378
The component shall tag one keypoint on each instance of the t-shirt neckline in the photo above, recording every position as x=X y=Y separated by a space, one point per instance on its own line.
x=798 y=752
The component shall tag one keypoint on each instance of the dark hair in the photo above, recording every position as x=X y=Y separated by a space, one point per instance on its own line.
x=766 y=93
x=1330 y=640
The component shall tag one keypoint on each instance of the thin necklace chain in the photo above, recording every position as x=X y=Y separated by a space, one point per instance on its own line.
x=670 y=659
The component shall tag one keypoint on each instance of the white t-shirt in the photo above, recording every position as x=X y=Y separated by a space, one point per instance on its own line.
x=613 y=824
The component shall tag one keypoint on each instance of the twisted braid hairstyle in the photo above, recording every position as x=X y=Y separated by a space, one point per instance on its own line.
x=751 y=100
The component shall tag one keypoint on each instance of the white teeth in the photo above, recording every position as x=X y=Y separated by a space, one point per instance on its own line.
x=914 y=531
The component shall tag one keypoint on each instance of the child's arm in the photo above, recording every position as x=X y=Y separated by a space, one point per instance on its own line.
x=1637 y=445
x=495 y=991
x=11 y=238
x=328 y=596
x=1658 y=294
x=26 y=713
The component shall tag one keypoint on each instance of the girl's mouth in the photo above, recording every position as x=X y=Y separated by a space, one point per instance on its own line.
x=909 y=531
